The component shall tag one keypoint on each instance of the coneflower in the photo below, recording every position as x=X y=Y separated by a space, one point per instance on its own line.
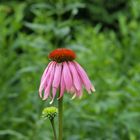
x=65 y=74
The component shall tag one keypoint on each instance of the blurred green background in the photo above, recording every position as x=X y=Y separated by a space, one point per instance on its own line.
x=105 y=34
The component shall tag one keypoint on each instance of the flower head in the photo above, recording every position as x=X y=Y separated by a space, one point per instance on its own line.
x=65 y=74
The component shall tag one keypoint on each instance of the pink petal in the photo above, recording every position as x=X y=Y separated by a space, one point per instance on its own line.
x=67 y=76
x=78 y=93
x=45 y=71
x=54 y=93
x=75 y=76
x=84 y=77
x=45 y=78
x=62 y=86
x=56 y=81
x=47 y=89
x=75 y=92
x=72 y=90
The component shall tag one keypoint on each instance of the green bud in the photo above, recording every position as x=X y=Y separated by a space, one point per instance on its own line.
x=49 y=112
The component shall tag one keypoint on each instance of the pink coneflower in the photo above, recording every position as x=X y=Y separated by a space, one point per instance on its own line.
x=64 y=74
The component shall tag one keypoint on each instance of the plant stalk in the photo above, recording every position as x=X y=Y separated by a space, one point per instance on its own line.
x=60 y=118
x=53 y=127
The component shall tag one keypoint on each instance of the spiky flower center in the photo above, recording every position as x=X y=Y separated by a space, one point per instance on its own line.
x=62 y=54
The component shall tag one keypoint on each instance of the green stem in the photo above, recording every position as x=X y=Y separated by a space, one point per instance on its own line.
x=53 y=127
x=60 y=118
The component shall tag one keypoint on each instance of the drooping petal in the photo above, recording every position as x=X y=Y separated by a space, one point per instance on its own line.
x=45 y=71
x=73 y=97
x=92 y=88
x=75 y=76
x=67 y=76
x=84 y=78
x=56 y=81
x=62 y=85
x=48 y=87
x=75 y=92
x=45 y=79
x=80 y=94
x=72 y=90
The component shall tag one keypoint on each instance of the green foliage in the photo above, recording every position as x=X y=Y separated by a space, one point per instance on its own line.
x=105 y=36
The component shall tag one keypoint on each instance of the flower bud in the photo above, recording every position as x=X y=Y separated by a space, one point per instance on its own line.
x=49 y=112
